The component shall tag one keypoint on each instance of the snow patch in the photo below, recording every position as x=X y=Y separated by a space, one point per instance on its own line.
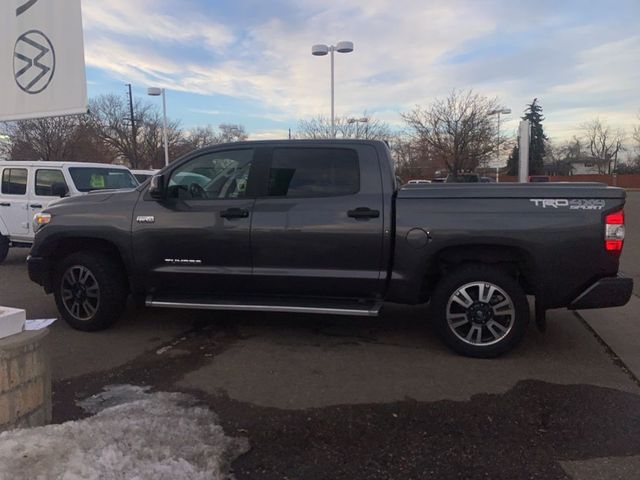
x=133 y=435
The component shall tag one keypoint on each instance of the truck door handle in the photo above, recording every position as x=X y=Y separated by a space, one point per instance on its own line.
x=230 y=213
x=5 y=204
x=36 y=205
x=363 y=212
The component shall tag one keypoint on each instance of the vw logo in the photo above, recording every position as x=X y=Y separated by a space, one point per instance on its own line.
x=34 y=62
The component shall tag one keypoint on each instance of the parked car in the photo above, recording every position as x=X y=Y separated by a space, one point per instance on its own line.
x=143 y=175
x=29 y=187
x=316 y=226
x=463 y=178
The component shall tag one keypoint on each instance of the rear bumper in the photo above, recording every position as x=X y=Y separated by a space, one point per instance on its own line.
x=39 y=271
x=606 y=292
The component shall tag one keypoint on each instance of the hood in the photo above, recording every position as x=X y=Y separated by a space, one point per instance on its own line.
x=96 y=196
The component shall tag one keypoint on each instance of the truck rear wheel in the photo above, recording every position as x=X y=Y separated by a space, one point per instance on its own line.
x=480 y=311
x=4 y=248
x=90 y=290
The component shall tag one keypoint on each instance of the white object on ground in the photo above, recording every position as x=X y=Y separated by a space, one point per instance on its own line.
x=139 y=435
x=38 y=324
x=11 y=321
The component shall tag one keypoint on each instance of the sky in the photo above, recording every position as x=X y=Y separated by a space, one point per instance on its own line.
x=250 y=62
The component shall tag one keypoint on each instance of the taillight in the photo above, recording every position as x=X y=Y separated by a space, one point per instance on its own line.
x=614 y=231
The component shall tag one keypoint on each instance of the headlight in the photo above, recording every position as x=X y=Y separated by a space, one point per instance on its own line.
x=40 y=220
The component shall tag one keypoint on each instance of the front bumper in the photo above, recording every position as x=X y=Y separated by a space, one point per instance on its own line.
x=606 y=292
x=39 y=271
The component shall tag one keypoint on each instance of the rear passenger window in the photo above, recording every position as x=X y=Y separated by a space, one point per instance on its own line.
x=314 y=172
x=14 y=181
x=49 y=183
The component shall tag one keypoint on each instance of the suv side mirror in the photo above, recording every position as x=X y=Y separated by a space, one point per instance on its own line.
x=157 y=187
x=59 y=189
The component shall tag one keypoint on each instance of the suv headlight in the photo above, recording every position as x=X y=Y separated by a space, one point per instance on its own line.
x=40 y=220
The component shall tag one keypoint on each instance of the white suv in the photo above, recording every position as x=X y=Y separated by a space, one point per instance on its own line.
x=28 y=187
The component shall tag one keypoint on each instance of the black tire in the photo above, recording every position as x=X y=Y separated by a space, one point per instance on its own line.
x=4 y=248
x=111 y=291
x=490 y=329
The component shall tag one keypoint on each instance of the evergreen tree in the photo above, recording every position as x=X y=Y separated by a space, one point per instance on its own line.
x=537 y=148
x=533 y=113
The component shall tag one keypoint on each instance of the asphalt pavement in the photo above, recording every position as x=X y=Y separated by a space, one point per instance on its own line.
x=334 y=397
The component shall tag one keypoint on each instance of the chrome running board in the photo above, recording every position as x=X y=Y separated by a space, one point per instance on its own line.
x=369 y=309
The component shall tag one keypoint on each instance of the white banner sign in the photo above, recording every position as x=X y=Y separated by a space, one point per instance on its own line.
x=41 y=59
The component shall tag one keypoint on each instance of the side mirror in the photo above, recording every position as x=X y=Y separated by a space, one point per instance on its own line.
x=157 y=188
x=59 y=189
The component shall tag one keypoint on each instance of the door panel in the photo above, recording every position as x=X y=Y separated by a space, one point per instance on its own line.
x=14 y=204
x=48 y=185
x=310 y=246
x=197 y=241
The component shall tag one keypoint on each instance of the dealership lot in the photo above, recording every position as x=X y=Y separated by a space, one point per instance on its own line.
x=329 y=397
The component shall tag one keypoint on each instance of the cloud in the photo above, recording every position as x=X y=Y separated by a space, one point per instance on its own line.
x=141 y=19
x=406 y=53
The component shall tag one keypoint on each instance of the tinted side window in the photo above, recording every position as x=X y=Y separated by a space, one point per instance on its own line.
x=14 y=181
x=46 y=180
x=213 y=176
x=314 y=172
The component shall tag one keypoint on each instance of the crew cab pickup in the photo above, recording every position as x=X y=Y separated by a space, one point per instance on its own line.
x=322 y=227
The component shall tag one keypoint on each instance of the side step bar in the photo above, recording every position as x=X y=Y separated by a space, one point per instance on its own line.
x=358 y=309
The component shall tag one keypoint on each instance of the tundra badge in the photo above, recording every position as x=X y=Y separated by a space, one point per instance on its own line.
x=146 y=219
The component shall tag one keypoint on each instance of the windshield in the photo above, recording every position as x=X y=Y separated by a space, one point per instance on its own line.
x=87 y=179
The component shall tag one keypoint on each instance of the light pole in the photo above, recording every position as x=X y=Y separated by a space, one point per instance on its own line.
x=320 y=51
x=504 y=111
x=155 y=92
x=351 y=121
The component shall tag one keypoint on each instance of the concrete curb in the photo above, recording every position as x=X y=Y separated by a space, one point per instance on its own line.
x=619 y=329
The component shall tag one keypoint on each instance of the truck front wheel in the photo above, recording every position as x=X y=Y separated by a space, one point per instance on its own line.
x=480 y=311
x=90 y=290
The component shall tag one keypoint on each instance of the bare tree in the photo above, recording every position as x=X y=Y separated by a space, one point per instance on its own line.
x=111 y=120
x=49 y=139
x=604 y=144
x=412 y=160
x=457 y=129
x=203 y=136
x=230 y=132
x=200 y=137
x=151 y=140
x=559 y=157
x=366 y=127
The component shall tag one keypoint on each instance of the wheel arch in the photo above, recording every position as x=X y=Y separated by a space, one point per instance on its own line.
x=62 y=247
x=515 y=260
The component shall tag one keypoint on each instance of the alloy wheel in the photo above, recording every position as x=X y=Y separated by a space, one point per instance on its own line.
x=480 y=313
x=80 y=292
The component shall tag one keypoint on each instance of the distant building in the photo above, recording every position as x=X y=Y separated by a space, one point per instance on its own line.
x=584 y=166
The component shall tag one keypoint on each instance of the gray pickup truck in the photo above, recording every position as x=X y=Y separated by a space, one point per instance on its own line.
x=323 y=227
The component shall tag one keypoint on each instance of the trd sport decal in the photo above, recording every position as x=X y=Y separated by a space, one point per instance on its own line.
x=579 y=204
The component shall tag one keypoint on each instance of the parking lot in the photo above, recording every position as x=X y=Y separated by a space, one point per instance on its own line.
x=334 y=397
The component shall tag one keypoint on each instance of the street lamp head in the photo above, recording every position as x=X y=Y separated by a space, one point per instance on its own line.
x=501 y=111
x=319 y=50
x=358 y=120
x=154 y=91
x=344 y=47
